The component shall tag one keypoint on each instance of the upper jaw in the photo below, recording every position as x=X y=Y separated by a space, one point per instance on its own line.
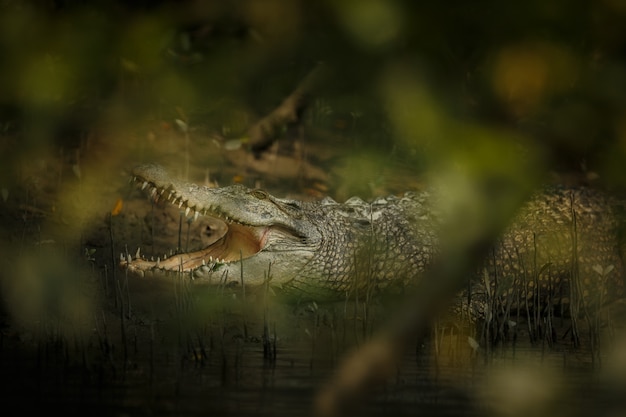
x=234 y=203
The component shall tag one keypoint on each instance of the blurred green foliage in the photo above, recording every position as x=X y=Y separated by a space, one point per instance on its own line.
x=414 y=80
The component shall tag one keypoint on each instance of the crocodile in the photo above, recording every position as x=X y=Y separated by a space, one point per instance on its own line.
x=563 y=243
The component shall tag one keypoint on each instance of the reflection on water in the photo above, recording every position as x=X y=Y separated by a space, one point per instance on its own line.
x=170 y=362
x=226 y=383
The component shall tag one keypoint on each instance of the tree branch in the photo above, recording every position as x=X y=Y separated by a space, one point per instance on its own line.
x=263 y=133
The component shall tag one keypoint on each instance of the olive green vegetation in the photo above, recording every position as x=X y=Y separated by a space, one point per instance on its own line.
x=409 y=82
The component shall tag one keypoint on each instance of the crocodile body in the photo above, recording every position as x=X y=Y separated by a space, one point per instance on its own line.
x=562 y=244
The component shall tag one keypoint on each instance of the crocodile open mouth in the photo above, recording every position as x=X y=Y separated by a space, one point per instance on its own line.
x=225 y=240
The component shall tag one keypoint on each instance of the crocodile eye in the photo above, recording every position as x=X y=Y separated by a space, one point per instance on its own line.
x=260 y=194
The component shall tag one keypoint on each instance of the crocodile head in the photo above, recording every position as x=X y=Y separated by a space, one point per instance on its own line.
x=257 y=233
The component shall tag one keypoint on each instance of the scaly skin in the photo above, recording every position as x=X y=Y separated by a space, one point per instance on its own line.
x=324 y=249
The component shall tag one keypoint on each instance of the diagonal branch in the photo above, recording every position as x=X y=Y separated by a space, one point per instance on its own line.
x=263 y=133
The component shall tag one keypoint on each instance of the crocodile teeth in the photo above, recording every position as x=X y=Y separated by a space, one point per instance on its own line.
x=144 y=185
x=181 y=203
x=187 y=212
x=195 y=216
x=129 y=259
x=121 y=257
x=158 y=263
x=153 y=191
x=169 y=197
x=138 y=253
